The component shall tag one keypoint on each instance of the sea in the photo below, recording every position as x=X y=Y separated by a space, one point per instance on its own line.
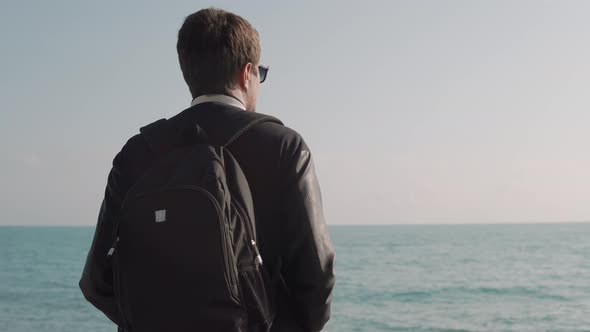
x=526 y=277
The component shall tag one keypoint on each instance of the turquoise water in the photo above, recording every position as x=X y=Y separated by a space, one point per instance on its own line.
x=389 y=278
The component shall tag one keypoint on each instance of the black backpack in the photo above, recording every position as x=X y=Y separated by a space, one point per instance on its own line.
x=185 y=256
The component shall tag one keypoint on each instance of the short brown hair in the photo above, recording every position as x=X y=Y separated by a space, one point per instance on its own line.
x=212 y=46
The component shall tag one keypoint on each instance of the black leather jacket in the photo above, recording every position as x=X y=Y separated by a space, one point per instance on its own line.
x=292 y=233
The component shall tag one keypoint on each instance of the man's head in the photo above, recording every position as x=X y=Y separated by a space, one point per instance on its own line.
x=219 y=53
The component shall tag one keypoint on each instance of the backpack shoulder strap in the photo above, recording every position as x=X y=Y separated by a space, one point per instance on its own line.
x=185 y=127
x=242 y=122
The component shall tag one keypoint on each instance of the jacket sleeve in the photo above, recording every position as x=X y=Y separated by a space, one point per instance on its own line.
x=308 y=255
x=96 y=282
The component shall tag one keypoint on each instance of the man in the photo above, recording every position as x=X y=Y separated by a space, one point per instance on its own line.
x=219 y=56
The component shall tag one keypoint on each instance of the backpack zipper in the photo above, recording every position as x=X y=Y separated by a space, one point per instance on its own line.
x=250 y=234
x=227 y=247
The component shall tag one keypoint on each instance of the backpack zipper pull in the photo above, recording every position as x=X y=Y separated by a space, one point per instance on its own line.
x=258 y=258
x=112 y=250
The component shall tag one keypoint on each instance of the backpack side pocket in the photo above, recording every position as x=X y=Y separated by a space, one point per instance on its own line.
x=258 y=296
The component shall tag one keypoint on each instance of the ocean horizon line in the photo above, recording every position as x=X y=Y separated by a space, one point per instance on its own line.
x=355 y=225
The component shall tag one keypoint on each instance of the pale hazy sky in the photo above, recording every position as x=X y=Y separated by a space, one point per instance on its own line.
x=415 y=111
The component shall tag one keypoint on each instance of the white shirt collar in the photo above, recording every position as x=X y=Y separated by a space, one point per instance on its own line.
x=219 y=99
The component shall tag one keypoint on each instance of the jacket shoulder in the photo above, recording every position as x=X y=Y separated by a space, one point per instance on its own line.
x=134 y=153
x=286 y=139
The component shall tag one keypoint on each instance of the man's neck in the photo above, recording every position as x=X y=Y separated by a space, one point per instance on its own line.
x=239 y=95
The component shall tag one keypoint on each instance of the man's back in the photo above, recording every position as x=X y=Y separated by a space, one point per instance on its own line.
x=287 y=203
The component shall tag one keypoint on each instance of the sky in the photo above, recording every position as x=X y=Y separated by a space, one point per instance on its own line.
x=415 y=111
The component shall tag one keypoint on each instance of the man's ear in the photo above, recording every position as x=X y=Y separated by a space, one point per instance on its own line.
x=246 y=75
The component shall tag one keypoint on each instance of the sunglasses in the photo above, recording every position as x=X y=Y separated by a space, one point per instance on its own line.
x=263 y=70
